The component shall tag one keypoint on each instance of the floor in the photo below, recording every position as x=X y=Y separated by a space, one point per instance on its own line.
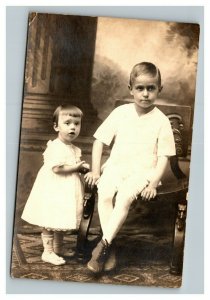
x=143 y=260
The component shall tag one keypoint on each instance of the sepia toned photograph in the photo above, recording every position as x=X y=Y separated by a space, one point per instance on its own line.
x=105 y=150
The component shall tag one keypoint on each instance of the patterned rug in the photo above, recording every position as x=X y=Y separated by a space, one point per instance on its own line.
x=143 y=260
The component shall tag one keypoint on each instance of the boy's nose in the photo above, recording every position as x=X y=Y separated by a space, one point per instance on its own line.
x=145 y=93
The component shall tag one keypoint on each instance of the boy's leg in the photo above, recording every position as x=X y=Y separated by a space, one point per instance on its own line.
x=106 y=192
x=126 y=194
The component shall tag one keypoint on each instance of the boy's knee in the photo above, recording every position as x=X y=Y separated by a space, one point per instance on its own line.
x=105 y=196
x=104 y=201
x=128 y=192
x=131 y=189
x=124 y=200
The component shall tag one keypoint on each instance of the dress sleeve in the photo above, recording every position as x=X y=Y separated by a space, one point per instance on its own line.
x=166 y=144
x=107 y=130
x=78 y=154
x=53 y=155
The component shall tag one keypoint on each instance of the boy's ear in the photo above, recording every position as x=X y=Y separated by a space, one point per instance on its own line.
x=55 y=126
x=160 y=88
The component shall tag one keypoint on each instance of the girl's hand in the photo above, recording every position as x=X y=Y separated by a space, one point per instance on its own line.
x=79 y=166
x=84 y=168
x=148 y=193
x=91 y=178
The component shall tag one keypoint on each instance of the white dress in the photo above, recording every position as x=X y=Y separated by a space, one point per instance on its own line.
x=56 y=201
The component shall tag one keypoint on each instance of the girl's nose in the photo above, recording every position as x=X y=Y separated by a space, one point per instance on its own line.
x=72 y=126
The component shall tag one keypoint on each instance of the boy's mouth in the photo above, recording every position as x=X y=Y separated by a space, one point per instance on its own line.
x=145 y=101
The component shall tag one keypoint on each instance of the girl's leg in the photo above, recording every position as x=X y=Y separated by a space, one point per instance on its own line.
x=58 y=242
x=49 y=255
x=58 y=245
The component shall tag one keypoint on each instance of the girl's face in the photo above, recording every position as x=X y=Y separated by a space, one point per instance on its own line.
x=145 y=90
x=68 y=127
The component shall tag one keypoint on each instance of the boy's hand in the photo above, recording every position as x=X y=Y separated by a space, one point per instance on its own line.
x=91 y=178
x=149 y=192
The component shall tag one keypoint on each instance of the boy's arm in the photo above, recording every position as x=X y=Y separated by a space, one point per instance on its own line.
x=150 y=190
x=92 y=177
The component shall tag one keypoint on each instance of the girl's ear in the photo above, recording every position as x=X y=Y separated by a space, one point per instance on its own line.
x=130 y=89
x=55 y=126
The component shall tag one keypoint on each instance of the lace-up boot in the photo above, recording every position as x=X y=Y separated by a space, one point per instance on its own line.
x=99 y=256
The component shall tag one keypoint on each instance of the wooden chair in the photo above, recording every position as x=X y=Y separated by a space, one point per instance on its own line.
x=175 y=190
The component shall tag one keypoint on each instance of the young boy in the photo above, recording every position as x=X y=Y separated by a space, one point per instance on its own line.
x=143 y=141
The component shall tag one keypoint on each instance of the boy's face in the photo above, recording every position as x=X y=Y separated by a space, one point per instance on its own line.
x=68 y=127
x=145 y=90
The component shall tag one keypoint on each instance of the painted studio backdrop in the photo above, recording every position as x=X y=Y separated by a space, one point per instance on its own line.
x=86 y=61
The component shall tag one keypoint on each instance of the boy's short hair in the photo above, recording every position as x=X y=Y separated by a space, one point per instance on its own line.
x=74 y=111
x=144 y=68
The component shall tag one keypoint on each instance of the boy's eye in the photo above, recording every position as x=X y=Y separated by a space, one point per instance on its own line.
x=151 y=88
x=140 y=88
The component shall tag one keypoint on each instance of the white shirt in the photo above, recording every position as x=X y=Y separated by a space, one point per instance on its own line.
x=138 y=140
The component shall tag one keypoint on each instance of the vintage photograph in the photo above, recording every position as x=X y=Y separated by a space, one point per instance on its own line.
x=105 y=150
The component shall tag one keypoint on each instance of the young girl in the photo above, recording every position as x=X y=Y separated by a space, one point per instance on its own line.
x=55 y=202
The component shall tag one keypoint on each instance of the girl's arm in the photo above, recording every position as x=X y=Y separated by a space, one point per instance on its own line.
x=150 y=190
x=66 y=169
x=92 y=177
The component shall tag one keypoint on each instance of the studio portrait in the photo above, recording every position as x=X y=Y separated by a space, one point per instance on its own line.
x=105 y=150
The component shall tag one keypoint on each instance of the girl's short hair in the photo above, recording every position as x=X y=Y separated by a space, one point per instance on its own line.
x=73 y=111
x=144 y=68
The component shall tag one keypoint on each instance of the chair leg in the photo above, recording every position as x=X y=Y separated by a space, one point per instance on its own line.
x=179 y=238
x=88 y=209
